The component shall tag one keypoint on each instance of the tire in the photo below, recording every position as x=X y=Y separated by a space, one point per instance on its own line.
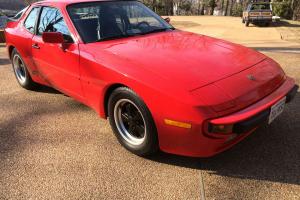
x=21 y=72
x=132 y=122
x=243 y=21
x=247 y=23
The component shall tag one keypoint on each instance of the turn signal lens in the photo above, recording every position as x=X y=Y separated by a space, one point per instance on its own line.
x=267 y=13
x=221 y=128
x=178 y=124
x=254 y=14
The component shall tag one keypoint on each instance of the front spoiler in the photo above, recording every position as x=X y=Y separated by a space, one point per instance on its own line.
x=196 y=142
x=262 y=117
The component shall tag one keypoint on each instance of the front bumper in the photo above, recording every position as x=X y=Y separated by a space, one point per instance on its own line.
x=262 y=117
x=197 y=142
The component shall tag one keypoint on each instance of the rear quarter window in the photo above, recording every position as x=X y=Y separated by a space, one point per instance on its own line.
x=30 y=21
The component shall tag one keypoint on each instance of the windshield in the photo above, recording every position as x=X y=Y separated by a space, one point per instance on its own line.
x=98 y=21
x=260 y=7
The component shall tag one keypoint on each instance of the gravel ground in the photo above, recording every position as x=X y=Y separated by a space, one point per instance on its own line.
x=52 y=147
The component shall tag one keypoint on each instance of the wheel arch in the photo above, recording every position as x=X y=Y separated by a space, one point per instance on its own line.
x=107 y=94
x=10 y=50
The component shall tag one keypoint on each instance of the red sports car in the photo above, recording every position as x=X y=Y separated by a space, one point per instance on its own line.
x=160 y=88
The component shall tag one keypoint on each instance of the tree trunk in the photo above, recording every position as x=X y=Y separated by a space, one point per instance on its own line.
x=213 y=6
x=222 y=6
x=231 y=7
x=293 y=9
x=199 y=7
x=154 y=5
x=202 y=9
x=226 y=7
x=175 y=8
x=167 y=6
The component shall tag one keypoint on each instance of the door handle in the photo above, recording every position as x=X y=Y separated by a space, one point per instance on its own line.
x=35 y=46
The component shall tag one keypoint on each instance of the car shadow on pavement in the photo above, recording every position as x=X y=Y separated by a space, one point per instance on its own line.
x=285 y=24
x=46 y=89
x=271 y=153
x=278 y=49
x=275 y=24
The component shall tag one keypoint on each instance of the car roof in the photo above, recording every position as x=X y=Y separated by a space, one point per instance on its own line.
x=67 y=2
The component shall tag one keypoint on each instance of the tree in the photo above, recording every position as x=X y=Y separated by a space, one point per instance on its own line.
x=222 y=6
x=289 y=9
x=295 y=8
x=212 y=4
x=292 y=9
x=28 y=2
x=226 y=8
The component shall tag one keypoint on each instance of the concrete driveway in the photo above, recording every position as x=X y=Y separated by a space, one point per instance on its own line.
x=52 y=147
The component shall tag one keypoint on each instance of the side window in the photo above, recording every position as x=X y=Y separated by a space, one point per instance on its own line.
x=31 y=19
x=51 y=20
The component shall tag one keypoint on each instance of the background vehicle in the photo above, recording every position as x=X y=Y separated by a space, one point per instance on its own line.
x=258 y=12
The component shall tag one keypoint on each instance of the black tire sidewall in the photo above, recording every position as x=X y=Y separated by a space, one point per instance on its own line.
x=28 y=84
x=150 y=145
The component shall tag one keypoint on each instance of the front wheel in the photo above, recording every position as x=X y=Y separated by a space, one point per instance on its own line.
x=132 y=122
x=21 y=71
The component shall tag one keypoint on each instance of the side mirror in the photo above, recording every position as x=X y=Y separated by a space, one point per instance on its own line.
x=168 y=20
x=53 y=37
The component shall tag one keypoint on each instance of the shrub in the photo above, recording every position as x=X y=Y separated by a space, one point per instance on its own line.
x=237 y=10
x=282 y=9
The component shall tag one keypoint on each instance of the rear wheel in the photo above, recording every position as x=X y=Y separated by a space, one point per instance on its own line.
x=21 y=72
x=132 y=122
x=247 y=23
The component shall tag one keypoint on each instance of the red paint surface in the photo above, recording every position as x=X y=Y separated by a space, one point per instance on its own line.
x=180 y=76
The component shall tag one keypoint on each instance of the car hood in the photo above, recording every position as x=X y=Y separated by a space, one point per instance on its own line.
x=184 y=58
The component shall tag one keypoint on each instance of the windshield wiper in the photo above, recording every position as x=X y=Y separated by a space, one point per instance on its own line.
x=158 y=30
x=112 y=37
x=125 y=36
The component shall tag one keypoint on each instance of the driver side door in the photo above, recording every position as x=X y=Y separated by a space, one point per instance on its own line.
x=57 y=65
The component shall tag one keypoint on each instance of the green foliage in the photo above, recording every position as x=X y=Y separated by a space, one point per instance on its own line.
x=237 y=10
x=282 y=9
x=161 y=7
x=186 y=6
x=28 y=2
x=212 y=3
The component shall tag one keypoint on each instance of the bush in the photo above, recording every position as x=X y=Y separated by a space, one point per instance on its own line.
x=237 y=10
x=282 y=9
